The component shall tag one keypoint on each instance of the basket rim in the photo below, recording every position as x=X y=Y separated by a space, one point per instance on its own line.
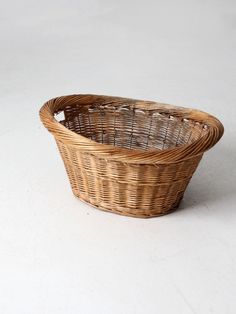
x=186 y=151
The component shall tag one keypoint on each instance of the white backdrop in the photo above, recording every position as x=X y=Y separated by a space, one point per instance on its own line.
x=58 y=255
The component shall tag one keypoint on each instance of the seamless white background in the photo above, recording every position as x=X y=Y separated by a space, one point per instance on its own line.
x=59 y=255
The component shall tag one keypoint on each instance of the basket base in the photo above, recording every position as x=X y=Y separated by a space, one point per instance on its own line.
x=125 y=213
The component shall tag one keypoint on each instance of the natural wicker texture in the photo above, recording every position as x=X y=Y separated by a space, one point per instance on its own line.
x=128 y=156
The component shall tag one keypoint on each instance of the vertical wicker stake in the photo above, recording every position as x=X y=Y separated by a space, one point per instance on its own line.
x=128 y=156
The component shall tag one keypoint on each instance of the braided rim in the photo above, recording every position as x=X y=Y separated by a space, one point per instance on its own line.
x=61 y=133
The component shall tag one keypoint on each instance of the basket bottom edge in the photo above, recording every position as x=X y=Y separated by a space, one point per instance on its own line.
x=126 y=213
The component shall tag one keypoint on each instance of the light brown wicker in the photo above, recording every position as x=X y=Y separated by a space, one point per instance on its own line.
x=128 y=156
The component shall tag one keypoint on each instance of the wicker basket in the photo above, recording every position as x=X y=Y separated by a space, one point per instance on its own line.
x=128 y=156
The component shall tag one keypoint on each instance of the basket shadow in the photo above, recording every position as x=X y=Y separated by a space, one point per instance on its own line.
x=215 y=179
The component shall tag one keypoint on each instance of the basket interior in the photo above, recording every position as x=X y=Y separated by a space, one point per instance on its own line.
x=130 y=127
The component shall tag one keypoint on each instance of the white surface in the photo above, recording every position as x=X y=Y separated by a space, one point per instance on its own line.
x=58 y=255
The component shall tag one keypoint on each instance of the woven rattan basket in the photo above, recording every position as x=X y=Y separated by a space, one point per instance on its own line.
x=128 y=156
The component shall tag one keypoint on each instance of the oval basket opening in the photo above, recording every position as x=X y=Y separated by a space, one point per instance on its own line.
x=130 y=127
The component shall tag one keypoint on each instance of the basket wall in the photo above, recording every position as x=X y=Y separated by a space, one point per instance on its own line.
x=130 y=189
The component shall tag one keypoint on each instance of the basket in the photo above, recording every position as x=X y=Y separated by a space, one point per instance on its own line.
x=127 y=156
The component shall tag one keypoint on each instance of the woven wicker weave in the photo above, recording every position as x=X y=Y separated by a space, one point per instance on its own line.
x=128 y=156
